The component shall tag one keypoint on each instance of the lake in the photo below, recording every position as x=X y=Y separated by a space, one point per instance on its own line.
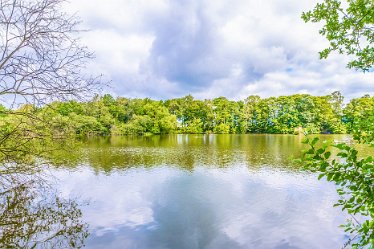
x=201 y=191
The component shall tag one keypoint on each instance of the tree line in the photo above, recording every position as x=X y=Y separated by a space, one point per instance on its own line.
x=105 y=115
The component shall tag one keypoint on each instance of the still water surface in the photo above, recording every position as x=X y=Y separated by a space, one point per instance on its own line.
x=202 y=191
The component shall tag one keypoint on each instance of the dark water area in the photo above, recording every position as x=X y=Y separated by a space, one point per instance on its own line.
x=202 y=191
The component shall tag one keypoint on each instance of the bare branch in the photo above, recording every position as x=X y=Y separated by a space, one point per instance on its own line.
x=41 y=58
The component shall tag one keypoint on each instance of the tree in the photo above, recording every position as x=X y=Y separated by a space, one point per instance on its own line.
x=360 y=118
x=41 y=60
x=349 y=27
x=40 y=54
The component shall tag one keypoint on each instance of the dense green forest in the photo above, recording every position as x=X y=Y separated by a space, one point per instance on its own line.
x=105 y=115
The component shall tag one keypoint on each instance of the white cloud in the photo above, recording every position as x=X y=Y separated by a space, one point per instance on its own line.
x=163 y=49
x=123 y=53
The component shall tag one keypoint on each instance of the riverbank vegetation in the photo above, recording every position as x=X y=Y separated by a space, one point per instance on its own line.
x=105 y=115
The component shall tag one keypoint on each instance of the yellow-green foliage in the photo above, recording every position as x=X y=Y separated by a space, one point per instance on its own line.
x=106 y=115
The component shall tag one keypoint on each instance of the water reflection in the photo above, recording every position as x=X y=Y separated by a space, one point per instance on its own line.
x=32 y=215
x=207 y=208
x=202 y=191
x=188 y=151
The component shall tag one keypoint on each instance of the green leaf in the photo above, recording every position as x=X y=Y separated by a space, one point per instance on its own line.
x=342 y=154
x=320 y=176
x=314 y=141
x=327 y=155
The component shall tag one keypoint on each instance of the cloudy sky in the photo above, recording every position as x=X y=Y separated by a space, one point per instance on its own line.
x=209 y=48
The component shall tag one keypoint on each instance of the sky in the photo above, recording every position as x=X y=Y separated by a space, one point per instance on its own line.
x=209 y=48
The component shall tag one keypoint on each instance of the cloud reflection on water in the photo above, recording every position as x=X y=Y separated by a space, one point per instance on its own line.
x=167 y=207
